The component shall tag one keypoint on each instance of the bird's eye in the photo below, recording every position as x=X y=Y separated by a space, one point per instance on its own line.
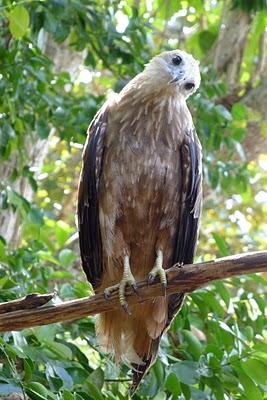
x=176 y=60
x=189 y=85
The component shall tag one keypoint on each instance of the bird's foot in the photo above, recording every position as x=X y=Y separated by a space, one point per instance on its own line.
x=160 y=271
x=127 y=280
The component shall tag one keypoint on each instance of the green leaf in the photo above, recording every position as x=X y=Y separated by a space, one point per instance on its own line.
x=251 y=390
x=186 y=372
x=16 y=200
x=81 y=289
x=19 y=21
x=35 y=216
x=64 y=376
x=223 y=112
x=172 y=384
x=46 y=333
x=213 y=303
x=66 y=256
x=2 y=250
x=256 y=370
x=238 y=111
x=226 y=328
x=67 y=395
x=37 y=391
x=194 y=345
x=186 y=391
x=221 y=243
x=97 y=378
x=62 y=231
x=7 y=283
x=27 y=366
x=59 y=349
x=223 y=292
x=160 y=396
x=93 y=390
x=197 y=394
x=43 y=129
x=79 y=375
x=158 y=369
x=238 y=134
x=217 y=387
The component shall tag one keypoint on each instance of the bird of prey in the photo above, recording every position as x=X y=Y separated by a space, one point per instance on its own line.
x=139 y=202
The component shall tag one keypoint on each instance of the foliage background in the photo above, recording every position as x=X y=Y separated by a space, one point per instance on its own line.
x=58 y=61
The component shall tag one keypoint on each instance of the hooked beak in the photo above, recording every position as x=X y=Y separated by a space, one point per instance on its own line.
x=174 y=80
x=188 y=84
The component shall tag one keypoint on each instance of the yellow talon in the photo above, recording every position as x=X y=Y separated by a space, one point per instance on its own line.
x=158 y=270
x=127 y=280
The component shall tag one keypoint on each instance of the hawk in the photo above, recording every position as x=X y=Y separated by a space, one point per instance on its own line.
x=139 y=202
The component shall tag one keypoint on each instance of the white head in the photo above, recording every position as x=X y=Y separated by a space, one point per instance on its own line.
x=176 y=70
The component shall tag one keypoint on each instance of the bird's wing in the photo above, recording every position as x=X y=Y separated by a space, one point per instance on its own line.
x=190 y=211
x=88 y=208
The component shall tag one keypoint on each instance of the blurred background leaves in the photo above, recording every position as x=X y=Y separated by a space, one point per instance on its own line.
x=59 y=59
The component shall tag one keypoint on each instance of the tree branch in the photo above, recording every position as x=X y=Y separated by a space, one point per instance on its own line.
x=180 y=279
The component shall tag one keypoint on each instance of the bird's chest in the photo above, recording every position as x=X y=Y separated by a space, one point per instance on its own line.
x=143 y=170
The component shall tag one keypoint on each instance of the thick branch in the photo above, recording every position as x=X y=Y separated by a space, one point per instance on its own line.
x=185 y=279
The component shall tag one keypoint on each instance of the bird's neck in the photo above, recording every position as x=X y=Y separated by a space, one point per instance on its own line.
x=148 y=87
x=146 y=110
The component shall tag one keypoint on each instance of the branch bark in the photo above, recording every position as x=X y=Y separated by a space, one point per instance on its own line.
x=186 y=279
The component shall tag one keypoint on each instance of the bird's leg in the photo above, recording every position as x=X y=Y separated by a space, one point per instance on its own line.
x=127 y=279
x=158 y=270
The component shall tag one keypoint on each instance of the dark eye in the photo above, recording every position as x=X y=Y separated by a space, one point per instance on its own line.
x=189 y=85
x=176 y=60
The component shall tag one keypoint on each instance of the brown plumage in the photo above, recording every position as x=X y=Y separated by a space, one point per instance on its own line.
x=140 y=199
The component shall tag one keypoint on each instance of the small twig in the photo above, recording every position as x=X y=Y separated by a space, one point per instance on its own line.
x=186 y=279
x=30 y=301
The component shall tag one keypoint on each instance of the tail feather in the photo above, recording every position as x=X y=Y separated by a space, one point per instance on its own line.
x=139 y=370
x=134 y=339
x=175 y=303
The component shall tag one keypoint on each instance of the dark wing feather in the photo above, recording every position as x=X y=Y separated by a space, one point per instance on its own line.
x=190 y=211
x=88 y=208
x=139 y=370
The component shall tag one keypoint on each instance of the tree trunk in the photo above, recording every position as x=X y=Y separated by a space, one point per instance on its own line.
x=227 y=58
x=229 y=48
x=255 y=142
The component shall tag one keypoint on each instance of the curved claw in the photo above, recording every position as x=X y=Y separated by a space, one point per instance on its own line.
x=127 y=280
x=126 y=308
x=134 y=287
x=106 y=295
x=150 y=279
x=108 y=291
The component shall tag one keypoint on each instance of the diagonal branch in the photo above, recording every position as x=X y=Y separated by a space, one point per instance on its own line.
x=186 y=279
